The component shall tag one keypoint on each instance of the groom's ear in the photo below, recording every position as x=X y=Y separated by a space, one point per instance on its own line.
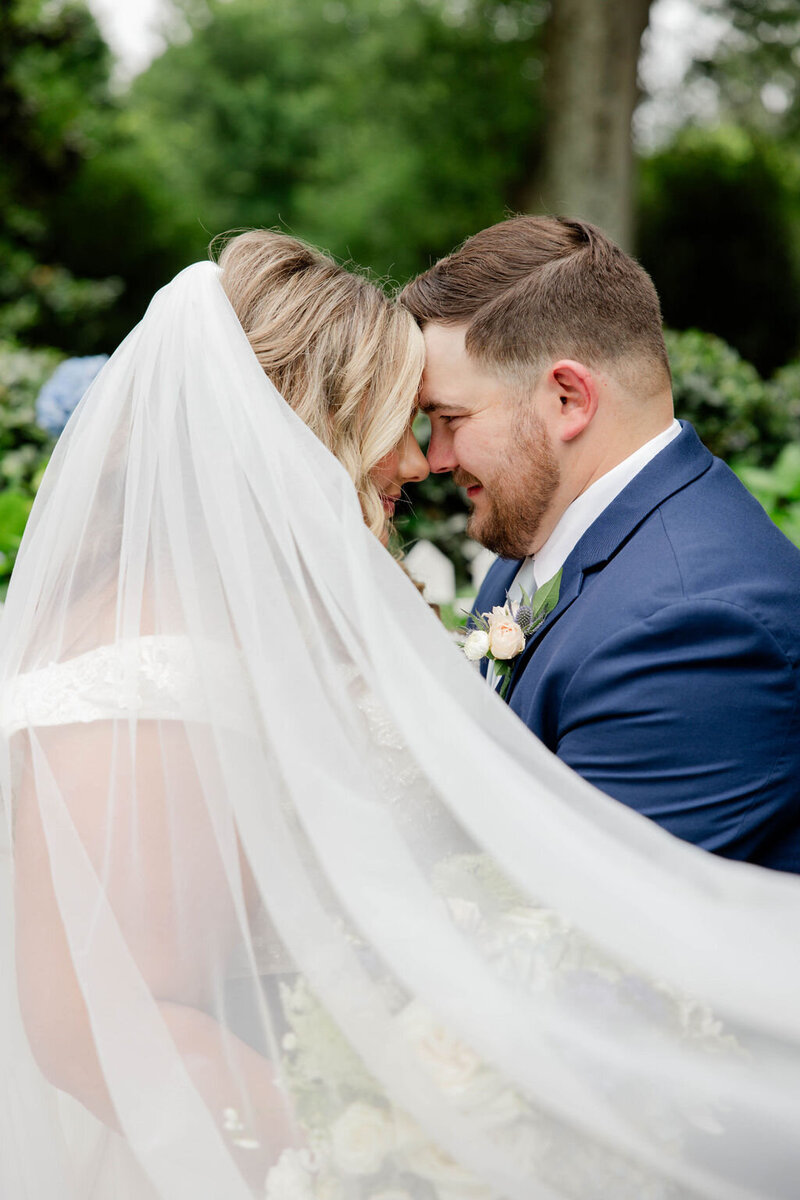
x=572 y=391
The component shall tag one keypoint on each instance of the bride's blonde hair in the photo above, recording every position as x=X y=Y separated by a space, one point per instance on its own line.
x=344 y=357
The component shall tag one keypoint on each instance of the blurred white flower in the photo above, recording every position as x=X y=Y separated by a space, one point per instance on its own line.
x=361 y=1138
x=451 y=1064
x=289 y=1179
x=476 y=646
x=329 y=1188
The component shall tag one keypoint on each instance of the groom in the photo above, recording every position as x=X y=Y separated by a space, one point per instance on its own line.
x=668 y=671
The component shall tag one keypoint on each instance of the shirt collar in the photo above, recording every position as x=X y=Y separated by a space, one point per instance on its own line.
x=586 y=508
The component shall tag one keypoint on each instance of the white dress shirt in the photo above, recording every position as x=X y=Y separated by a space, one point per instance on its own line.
x=573 y=523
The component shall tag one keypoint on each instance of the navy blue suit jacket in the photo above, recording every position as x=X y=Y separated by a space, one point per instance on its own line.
x=667 y=674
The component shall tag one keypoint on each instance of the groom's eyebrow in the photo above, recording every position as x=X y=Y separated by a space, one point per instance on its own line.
x=432 y=405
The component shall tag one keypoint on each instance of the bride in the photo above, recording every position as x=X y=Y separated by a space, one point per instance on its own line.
x=292 y=905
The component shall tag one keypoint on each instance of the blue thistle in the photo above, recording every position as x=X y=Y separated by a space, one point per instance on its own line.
x=59 y=397
x=524 y=618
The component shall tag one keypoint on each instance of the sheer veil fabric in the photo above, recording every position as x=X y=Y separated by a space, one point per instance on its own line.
x=292 y=905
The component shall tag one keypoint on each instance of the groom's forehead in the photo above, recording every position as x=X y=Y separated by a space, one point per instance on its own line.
x=451 y=373
x=444 y=342
x=452 y=390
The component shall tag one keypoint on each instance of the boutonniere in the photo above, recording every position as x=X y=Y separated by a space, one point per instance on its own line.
x=502 y=635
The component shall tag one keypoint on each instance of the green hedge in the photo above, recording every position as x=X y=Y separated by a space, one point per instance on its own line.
x=738 y=415
x=778 y=489
x=24 y=447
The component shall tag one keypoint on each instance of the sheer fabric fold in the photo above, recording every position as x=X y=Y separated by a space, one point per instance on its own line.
x=292 y=905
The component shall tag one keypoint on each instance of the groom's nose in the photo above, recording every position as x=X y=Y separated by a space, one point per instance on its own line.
x=440 y=451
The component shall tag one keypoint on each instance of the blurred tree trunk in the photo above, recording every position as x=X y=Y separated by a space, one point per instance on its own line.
x=590 y=91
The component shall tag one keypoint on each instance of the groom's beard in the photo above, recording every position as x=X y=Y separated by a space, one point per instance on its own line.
x=508 y=512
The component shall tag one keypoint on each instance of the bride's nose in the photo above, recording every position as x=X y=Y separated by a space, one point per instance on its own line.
x=413 y=465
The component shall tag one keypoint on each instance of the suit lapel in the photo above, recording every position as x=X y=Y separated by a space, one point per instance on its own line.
x=571 y=583
x=679 y=464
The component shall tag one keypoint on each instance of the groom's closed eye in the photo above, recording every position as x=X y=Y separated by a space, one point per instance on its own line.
x=442 y=412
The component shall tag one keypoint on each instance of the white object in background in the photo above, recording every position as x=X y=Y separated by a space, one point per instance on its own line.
x=426 y=563
x=135 y=31
x=479 y=566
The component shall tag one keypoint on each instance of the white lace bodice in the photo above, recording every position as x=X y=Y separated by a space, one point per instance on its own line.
x=159 y=677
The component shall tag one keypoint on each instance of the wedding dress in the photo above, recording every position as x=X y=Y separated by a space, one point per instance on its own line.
x=292 y=905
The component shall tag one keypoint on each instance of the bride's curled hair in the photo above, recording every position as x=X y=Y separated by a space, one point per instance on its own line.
x=343 y=356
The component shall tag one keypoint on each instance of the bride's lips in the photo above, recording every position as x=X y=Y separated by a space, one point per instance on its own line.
x=388 y=504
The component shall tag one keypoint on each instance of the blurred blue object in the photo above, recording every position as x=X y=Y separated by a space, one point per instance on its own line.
x=59 y=397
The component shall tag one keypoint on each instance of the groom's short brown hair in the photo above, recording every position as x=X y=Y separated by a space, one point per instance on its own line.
x=535 y=289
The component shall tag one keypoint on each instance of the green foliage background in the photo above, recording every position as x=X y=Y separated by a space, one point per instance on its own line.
x=384 y=131
x=24 y=447
x=719 y=230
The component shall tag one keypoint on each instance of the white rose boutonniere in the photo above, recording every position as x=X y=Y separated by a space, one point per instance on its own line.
x=503 y=634
x=476 y=646
x=506 y=637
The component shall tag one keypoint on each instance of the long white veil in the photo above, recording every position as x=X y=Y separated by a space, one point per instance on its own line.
x=292 y=905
